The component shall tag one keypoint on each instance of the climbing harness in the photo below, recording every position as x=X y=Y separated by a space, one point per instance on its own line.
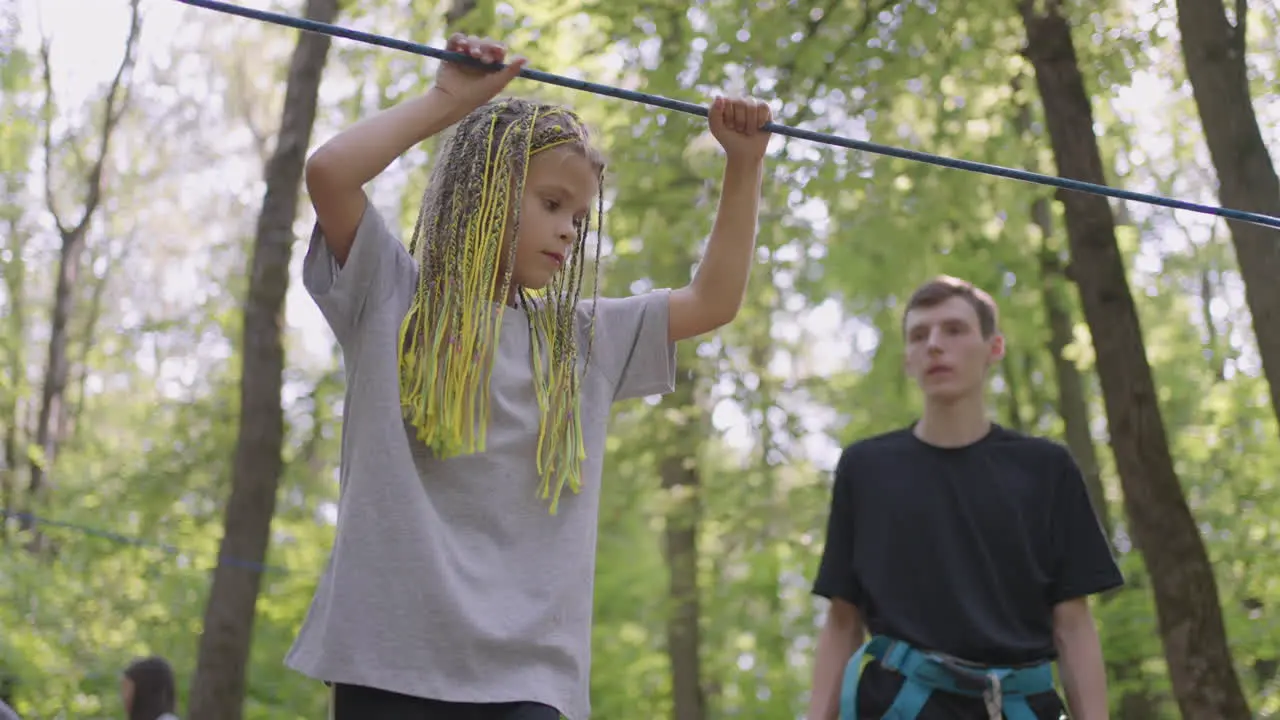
x=1004 y=690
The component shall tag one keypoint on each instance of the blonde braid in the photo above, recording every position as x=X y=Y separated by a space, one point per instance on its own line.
x=452 y=329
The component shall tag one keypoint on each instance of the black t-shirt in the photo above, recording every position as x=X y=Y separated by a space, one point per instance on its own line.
x=961 y=550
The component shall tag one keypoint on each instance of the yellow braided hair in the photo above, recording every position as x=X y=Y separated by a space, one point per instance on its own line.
x=451 y=331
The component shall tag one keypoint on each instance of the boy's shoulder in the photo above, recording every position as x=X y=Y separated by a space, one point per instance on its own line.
x=999 y=439
x=867 y=451
x=1034 y=446
x=891 y=441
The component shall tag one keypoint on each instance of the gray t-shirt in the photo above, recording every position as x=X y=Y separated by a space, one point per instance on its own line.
x=451 y=579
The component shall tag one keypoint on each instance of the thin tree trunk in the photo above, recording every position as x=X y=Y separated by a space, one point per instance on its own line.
x=1035 y=397
x=772 y=639
x=1214 y=51
x=1013 y=393
x=218 y=688
x=683 y=486
x=1073 y=405
x=73 y=238
x=1137 y=703
x=1072 y=402
x=681 y=481
x=16 y=361
x=68 y=420
x=1186 y=595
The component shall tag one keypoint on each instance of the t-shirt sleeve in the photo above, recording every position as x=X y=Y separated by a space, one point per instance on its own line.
x=632 y=344
x=1084 y=563
x=376 y=263
x=836 y=578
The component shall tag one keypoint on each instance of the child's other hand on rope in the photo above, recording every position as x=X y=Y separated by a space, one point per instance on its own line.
x=338 y=170
x=470 y=86
x=736 y=123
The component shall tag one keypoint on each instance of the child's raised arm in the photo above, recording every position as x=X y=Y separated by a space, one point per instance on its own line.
x=337 y=172
x=719 y=284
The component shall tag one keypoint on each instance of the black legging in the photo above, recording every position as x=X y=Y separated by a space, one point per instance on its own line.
x=356 y=702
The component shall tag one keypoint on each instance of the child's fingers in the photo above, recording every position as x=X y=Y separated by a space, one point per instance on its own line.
x=483 y=49
x=465 y=45
x=740 y=117
x=513 y=68
x=490 y=51
x=763 y=114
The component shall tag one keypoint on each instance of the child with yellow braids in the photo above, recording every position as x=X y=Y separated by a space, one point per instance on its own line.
x=479 y=385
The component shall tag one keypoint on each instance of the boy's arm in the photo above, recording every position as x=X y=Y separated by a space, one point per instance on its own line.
x=841 y=634
x=1080 y=660
x=714 y=296
x=1085 y=566
x=836 y=581
x=337 y=172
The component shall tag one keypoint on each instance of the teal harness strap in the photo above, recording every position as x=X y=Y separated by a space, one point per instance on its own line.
x=1005 y=690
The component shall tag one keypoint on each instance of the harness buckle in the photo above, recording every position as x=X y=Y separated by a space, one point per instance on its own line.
x=994 y=699
x=966 y=677
x=976 y=680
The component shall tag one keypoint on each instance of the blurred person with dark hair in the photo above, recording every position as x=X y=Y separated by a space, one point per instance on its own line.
x=148 y=690
x=6 y=697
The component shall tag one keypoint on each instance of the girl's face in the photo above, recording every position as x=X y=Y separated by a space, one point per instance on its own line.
x=126 y=694
x=560 y=189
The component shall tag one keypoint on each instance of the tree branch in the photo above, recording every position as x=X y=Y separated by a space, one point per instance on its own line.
x=116 y=105
x=46 y=75
x=1240 y=33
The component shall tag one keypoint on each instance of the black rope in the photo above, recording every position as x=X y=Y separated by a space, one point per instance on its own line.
x=775 y=128
x=116 y=537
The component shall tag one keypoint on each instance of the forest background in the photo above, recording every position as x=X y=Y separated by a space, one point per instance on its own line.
x=169 y=396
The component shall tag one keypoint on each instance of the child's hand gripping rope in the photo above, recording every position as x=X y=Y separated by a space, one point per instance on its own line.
x=736 y=124
x=470 y=86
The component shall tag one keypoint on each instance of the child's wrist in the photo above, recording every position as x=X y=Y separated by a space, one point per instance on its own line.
x=436 y=110
x=745 y=162
x=445 y=102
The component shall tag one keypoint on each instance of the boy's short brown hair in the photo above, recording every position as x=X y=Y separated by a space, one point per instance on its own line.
x=944 y=287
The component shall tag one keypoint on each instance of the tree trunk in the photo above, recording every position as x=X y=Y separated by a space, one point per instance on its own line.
x=1213 y=340
x=68 y=418
x=14 y=343
x=684 y=427
x=1012 y=393
x=73 y=237
x=58 y=367
x=1072 y=401
x=772 y=642
x=1214 y=51
x=218 y=688
x=682 y=485
x=1186 y=595
x=471 y=17
x=1073 y=405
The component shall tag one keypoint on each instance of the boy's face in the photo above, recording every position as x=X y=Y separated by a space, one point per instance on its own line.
x=560 y=189
x=946 y=353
